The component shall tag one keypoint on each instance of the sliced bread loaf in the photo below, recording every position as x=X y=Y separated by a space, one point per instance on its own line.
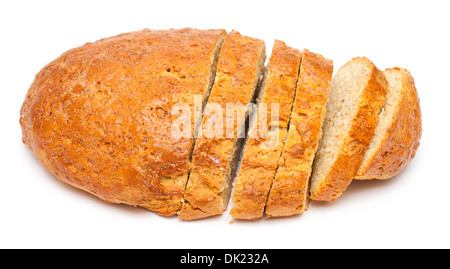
x=266 y=137
x=398 y=130
x=289 y=192
x=215 y=157
x=357 y=93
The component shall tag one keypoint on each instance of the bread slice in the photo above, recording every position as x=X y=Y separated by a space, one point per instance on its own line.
x=398 y=131
x=266 y=136
x=289 y=192
x=357 y=93
x=99 y=117
x=215 y=158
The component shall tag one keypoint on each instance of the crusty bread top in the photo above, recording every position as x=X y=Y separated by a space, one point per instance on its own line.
x=241 y=62
x=399 y=129
x=261 y=152
x=357 y=94
x=99 y=116
x=289 y=192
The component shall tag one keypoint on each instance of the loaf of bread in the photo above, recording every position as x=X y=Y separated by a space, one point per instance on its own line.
x=132 y=119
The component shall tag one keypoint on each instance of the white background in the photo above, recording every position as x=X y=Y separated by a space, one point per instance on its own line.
x=408 y=211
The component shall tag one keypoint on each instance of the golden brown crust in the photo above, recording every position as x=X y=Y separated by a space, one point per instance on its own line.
x=99 y=116
x=402 y=137
x=289 y=192
x=355 y=144
x=236 y=77
x=260 y=157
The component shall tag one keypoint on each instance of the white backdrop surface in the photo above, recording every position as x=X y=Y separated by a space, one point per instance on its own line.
x=408 y=211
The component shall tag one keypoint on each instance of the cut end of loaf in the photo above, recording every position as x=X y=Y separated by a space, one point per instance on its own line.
x=393 y=145
x=357 y=93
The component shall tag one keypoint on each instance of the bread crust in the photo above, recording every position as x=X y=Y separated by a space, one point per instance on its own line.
x=362 y=128
x=401 y=139
x=99 y=116
x=240 y=60
x=289 y=192
x=260 y=157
